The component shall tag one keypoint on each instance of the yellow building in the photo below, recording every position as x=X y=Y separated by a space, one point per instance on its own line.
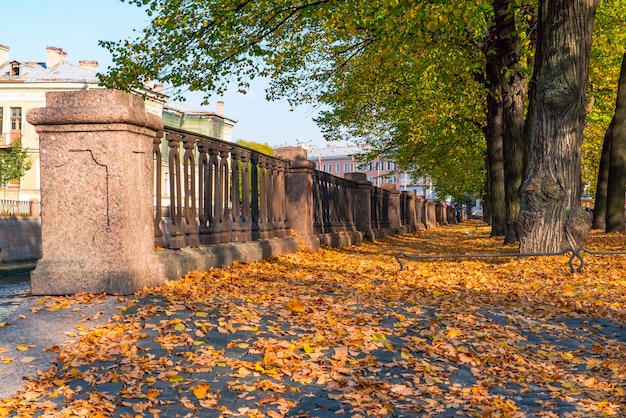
x=23 y=86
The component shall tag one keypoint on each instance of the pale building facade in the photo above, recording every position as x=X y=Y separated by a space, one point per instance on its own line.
x=341 y=160
x=23 y=86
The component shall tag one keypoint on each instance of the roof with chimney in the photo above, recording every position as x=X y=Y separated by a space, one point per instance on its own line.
x=54 y=69
x=39 y=72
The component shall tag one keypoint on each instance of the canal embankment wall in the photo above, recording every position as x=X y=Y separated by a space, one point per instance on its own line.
x=20 y=241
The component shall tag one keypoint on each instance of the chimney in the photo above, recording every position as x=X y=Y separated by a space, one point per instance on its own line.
x=55 y=56
x=89 y=65
x=220 y=108
x=4 y=54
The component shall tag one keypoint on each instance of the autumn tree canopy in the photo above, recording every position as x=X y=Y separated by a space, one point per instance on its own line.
x=410 y=80
x=391 y=71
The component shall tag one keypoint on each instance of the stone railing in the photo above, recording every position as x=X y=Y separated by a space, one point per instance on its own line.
x=19 y=207
x=218 y=192
x=222 y=202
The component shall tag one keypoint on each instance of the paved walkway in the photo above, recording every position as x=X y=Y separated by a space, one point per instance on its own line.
x=290 y=337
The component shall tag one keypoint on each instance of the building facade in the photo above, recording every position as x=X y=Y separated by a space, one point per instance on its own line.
x=23 y=86
x=341 y=160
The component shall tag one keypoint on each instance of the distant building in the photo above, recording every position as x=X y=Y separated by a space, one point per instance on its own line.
x=188 y=118
x=341 y=160
x=23 y=86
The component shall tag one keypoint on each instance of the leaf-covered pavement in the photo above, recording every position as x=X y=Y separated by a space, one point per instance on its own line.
x=343 y=332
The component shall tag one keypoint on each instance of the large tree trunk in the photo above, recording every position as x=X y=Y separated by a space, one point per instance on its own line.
x=513 y=85
x=599 y=206
x=617 y=162
x=495 y=153
x=551 y=217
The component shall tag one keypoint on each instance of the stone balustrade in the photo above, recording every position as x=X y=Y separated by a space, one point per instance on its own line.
x=127 y=202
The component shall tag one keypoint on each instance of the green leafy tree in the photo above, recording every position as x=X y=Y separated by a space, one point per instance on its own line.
x=14 y=163
x=263 y=148
x=407 y=78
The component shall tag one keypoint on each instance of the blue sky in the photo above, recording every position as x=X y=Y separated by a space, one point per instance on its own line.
x=29 y=26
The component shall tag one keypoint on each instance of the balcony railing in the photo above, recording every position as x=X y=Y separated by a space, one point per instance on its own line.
x=7 y=139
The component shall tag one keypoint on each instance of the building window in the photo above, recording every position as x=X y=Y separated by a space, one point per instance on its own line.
x=1 y=119
x=351 y=167
x=330 y=168
x=324 y=167
x=345 y=167
x=370 y=166
x=16 y=119
x=337 y=168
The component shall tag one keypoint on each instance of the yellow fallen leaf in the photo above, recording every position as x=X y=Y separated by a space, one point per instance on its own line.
x=21 y=347
x=568 y=291
x=294 y=305
x=200 y=391
x=174 y=378
x=453 y=333
x=378 y=337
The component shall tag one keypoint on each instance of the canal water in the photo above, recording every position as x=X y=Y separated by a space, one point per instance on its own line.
x=14 y=288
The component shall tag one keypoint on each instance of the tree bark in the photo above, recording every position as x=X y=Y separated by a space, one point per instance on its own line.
x=599 y=206
x=495 y=153
x=617 y=162
x=513 y=86
x=551 y=217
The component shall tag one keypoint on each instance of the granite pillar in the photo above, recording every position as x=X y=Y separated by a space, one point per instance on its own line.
x=96 y=193
x=299 y=190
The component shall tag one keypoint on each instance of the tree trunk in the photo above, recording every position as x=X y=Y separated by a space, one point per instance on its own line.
x=513 y=85
x=617 y=162
x=551 y=217
x=599 y=206
x=495 y=155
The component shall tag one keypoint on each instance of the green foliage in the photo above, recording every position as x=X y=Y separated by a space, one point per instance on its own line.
x=14 y=164
x=263 y=148
x=402 y=78
x=609 y=43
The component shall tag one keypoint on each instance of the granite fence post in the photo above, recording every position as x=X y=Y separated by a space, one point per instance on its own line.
x=96 y=193
x=394 y=207
x=299 y=194
x=431 y=213
x=363 y=202
x=411 y=212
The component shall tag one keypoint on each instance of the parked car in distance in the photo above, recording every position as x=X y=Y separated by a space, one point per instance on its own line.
x=477 y=213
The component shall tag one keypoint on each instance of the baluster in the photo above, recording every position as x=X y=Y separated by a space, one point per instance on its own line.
x=282 y=198
x=225 y=219
x=263 y=197
x=235 y=197
x=189 y=172
x=204 y=205
x=317 y=203
x=211 y=178
x=255 y=197
x=177 y=236
x=246 y=225
x=158 y=173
